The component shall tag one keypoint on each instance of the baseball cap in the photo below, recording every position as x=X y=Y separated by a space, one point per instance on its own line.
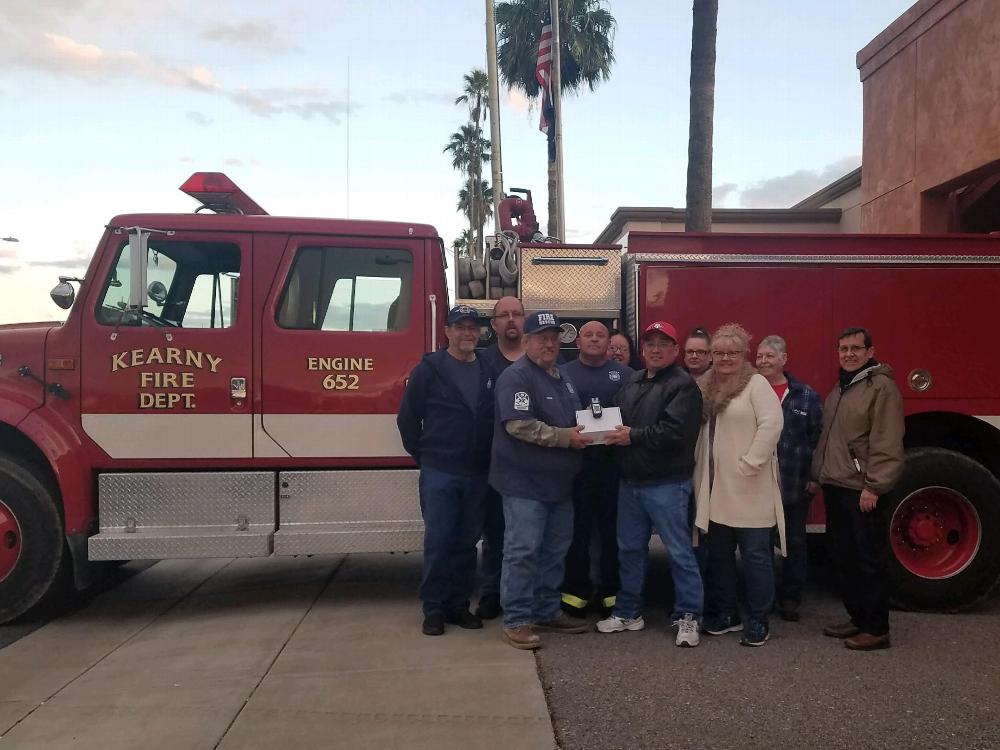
x=541 y=321
x=462 y=312
x=663 y=327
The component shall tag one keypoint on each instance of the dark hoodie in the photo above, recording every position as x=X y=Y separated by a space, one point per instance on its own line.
x=438 y=428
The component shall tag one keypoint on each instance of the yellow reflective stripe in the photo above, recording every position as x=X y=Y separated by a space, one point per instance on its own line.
x=574 y=601
x=608 y=601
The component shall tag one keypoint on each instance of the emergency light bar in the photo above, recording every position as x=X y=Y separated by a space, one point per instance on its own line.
x=218 y=193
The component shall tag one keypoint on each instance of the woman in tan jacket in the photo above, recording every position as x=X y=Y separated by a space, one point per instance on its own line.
x=736 y=484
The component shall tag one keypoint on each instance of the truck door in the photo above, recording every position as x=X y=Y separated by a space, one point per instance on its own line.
x=170 y=381
x=342 y=330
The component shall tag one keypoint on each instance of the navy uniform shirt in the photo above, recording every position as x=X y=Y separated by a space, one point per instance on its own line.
x=494 y=360
x=602 y=382
x=526 y=391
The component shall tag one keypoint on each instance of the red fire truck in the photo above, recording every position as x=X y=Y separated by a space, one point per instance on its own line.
x=226 y=383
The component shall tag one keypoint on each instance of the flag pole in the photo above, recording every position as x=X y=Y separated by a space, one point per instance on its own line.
x=557 y=111
x=496 y=162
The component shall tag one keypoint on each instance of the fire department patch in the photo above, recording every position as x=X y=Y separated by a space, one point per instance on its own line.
x=614 y=375
x=521 y=401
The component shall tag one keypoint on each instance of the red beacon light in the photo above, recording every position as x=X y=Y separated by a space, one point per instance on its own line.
x=218 y=193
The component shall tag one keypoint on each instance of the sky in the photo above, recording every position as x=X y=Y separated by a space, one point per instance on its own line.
x=342 y=108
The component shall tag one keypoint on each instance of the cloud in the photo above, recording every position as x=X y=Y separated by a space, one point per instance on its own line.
x=60 y=55
x=7 y=252
x=199 y=118
x=77 y=262
x=721 y=192
x=9 y=269
x=233 y=162
x=186 y=159
x=252 y=35
x=419 y=97
x=789 y=189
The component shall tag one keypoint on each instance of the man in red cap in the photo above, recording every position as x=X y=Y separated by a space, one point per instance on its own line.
x=661 y=412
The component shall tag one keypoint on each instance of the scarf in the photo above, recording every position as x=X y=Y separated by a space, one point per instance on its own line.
x=844 y=377
x=716 y=396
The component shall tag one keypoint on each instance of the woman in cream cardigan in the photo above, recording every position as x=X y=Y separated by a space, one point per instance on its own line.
x=736 y=484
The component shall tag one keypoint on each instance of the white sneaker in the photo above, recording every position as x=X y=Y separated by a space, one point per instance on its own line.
x=615 y=624
x=687 y=632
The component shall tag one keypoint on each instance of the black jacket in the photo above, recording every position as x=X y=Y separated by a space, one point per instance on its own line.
x=436 y=425
x=664 y=413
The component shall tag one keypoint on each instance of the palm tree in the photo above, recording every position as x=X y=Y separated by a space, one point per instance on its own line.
x=462 y=244
x=586 y=36
x=469 y=151
x=698 y=214
x=475 y=94
x=481 y=209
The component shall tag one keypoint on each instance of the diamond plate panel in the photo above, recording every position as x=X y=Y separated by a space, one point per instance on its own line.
x=570 y=285
x=191 y=543
x=344 y=538
x=365 y=497
x=177 y=500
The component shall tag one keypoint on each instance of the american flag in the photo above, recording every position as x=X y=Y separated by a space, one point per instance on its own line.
x=543 y=74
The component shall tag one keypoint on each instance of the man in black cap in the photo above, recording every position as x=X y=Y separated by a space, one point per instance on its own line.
x=446 y=424
x=536 y=445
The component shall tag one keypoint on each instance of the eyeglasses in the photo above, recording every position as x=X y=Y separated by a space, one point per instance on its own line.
x=699 y=352
x=727 y=355
x=618 y=349
x=514 y=314
x=855 y=349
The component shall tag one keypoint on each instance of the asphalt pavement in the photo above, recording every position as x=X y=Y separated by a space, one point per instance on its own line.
x=937 y=687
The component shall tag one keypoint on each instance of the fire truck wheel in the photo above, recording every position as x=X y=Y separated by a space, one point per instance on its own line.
x=944 y=531
x=31 y=539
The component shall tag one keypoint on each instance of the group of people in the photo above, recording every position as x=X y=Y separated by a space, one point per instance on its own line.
x=713 y=453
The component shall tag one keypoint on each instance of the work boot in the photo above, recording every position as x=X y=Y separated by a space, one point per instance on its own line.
x=789 y=611
x=464 y=619
x=867 y=642
x=842 y=630
x=522 y=637
x=489 y=607
x=573 y=605
x=562 y=624
x=434 y=624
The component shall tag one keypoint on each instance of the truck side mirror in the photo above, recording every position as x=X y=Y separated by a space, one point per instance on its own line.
x=63 y=294
x=158 y=292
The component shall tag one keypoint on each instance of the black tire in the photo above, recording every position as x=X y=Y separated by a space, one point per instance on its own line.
x=940 y=468
x=31 y=503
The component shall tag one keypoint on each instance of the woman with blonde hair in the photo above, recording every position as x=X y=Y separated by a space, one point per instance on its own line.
x=736 y=484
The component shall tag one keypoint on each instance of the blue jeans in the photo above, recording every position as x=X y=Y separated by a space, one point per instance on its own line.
x=452 y=507
x=667 y=507
x=758 y=570
x=536 y=538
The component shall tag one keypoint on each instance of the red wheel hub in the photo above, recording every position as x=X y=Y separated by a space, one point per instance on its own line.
x=935 y=532
x=10 y=540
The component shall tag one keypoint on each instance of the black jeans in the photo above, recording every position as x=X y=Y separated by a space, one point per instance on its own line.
x=493 y=528
x=595 y=506
x=794 y=567
x=858 y=548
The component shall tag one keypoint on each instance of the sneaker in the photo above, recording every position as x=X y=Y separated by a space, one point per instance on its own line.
x=562 y=624
x=489 y=607
x=522 y=637
x=687 y=632
x=723 y=624
x=755 y=635
x=434 y=624
x=616 y=624
x=464 y=619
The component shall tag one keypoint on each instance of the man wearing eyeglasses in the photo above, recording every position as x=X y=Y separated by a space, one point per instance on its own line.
x=860 y=458
x=508 y=324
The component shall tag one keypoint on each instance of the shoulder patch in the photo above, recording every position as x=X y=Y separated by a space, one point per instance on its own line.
x=614 y=376
x=522 y=402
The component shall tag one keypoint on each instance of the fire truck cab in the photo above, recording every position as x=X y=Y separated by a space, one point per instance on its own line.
x=227 y=384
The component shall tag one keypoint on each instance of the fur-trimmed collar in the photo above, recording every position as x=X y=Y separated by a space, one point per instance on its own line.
x=715 y=399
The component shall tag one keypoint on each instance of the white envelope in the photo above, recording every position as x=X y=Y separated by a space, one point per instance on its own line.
x=599 y=429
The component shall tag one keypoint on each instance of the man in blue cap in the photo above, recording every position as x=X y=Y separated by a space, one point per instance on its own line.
x=536 y=455
x=446 y=424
